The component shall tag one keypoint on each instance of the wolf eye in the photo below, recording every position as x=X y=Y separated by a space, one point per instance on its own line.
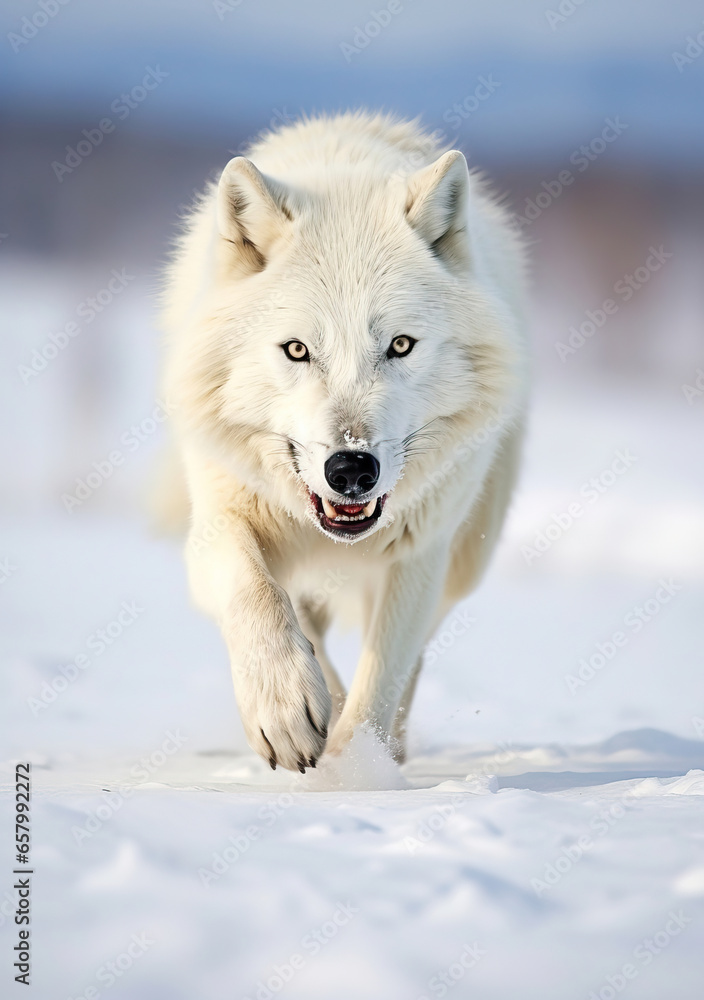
x=400 y=347
x=296 y=351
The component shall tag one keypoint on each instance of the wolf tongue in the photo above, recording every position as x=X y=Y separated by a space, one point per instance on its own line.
x=348 y=508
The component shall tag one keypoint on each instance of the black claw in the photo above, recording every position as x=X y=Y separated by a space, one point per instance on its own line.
x=312 y=762
x=272 y=759
x=321 y=732
x=302 y=766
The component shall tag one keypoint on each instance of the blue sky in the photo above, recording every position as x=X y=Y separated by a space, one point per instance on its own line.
x=559 y=69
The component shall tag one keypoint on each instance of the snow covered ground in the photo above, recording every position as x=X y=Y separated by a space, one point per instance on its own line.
x=545 y=839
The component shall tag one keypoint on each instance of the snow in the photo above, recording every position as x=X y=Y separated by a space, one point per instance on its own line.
x=230 y=872
x=541 y=842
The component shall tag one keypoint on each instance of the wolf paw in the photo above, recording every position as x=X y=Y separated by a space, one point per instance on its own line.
x=285 y=705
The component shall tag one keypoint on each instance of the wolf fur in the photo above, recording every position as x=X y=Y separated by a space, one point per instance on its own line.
x=342 y=233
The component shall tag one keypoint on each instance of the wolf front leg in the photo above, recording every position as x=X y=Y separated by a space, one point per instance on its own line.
x=403 y=612
x=279 y=686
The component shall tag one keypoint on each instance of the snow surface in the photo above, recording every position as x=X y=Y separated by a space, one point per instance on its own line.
x=552 y=839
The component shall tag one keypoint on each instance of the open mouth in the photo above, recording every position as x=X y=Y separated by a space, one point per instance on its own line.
x=347 y=518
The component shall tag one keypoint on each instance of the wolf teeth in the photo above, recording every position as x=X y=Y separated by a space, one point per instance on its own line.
x=329 y=509
x=332 y=515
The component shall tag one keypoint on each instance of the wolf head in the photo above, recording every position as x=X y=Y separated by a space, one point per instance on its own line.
x=347 y=336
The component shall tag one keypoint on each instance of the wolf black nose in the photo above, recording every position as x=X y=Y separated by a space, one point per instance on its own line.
x=352 y=473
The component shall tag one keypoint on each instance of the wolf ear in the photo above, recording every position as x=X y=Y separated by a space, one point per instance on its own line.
x=251 y=211
x=436 y=206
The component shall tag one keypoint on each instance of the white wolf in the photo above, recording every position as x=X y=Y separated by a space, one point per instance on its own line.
x=346 y=357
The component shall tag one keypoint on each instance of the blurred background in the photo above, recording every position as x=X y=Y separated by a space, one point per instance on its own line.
x=588 y=117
